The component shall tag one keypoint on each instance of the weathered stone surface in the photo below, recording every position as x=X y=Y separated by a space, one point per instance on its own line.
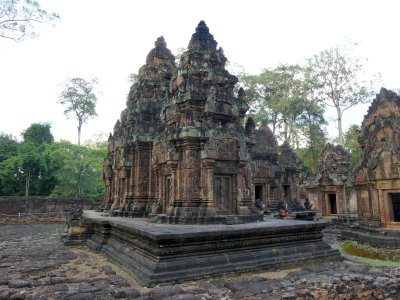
x=129 y=293
x=377 y=175
x=322 y=281
x=331 y=190
x=379 y=139
x=157 y=253
x=19 y=283
x=127 y=173
x=180 y=152
x=164 y=292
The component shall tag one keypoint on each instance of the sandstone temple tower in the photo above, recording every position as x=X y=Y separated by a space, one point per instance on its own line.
x=127 y=172
x=201 y=158
x=180 y=152
x=377 y=176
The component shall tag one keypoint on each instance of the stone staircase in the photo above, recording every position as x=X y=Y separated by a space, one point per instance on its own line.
x=273 y=204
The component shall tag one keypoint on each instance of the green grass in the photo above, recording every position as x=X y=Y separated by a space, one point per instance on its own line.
x=372 y=255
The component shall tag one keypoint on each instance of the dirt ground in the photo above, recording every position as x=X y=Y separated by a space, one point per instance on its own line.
x=34 y=264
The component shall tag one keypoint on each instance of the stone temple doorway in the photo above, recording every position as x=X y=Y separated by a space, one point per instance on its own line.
x=332 y=206
x=223 y=194
x=396 y=206
x=258 y=191
x=286 y=193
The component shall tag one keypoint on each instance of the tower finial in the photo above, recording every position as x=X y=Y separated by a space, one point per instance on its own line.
x=202 y=39
x=160 y=43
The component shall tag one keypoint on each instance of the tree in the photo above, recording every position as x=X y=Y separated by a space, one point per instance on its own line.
x=339 y=78
x=38 y=134
x=311 y=121
x=274 y=98
x=9 y=184
x=18 y=18
x=78 y=169
x=8 y=146
x=24 y=168
x=80 y=100
x=352 y=146
x=284 y=97
x=31 y=161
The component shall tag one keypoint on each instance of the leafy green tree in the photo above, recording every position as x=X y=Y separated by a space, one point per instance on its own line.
x=31 y=161
x=24 y=167
x=38 y=134
x=339 y=78
x=80 y=100
x=8 y=146
x=284 y=97
x=351 y=144
x=19 y=17
x=311 y=122
x=30 y=164
x=275 y=99
x=24 y=170
x=78 y=169
x=10 y=184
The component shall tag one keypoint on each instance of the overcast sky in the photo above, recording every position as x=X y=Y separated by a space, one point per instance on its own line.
x=110 y=40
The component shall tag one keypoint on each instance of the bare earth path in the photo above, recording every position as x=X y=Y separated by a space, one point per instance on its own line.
x=34 y=264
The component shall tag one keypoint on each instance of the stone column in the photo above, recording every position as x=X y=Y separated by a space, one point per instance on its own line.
x=116 y=193
x=124 y=187
x=142 y=170
x=208 y=183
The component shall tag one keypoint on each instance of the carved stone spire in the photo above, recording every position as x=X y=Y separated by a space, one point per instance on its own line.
x=202 y=39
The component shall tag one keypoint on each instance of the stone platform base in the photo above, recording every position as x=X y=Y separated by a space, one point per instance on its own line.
x=155 y=253
x=376 y=237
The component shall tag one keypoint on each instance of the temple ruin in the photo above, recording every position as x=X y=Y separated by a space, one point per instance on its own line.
x=182 y=175
x=377 y=175
x=180 y=152
x=332 y=191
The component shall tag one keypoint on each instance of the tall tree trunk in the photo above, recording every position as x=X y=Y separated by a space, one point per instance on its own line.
x=285 y=131
x=27 y=183
x=339 y=124
x=79 y=132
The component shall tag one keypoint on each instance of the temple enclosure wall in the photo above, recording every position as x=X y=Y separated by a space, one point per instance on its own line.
x=39 y=205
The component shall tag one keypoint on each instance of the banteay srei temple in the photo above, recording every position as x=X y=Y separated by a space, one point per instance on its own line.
x=192 y=191
x=180 y=151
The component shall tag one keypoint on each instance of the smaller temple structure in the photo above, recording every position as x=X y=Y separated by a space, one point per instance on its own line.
x=377 y=176
x=331 y=192
x=275 y=168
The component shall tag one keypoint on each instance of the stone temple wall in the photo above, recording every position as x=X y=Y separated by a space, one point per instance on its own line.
x=41 y=205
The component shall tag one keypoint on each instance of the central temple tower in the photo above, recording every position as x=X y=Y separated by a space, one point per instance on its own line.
x=201 y=159
x=180 y=152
